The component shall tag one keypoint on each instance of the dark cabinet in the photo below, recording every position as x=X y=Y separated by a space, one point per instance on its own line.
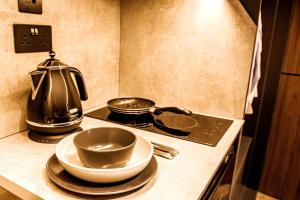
x=272 y=149
x=220 y=185
x=281 y=174
x=291 y=63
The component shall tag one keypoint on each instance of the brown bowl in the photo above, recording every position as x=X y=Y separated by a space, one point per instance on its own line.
x=105 y=147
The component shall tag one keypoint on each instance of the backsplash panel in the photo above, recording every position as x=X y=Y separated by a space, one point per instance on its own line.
x=86 y=35
x=195 y=54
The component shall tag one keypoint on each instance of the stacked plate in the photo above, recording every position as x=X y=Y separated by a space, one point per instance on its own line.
x=66 y=170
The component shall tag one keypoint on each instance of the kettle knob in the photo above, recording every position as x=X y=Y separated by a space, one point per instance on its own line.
x=52 y=54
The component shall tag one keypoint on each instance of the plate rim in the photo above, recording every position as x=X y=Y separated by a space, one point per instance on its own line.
x=59 y=182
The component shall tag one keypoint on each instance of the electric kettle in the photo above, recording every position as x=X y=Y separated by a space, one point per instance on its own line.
x=54 y=103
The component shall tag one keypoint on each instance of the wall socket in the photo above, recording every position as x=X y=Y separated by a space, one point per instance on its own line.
x=30 y=6
x=32 y=38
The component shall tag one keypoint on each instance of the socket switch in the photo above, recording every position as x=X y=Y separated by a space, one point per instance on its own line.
x=32 y=38
x=30 y=6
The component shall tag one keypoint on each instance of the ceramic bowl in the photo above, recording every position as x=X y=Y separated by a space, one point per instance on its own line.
x=105 y=147
x=69 y=159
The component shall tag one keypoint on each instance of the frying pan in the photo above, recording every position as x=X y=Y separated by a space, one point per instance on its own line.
x=168 y=118
x=139 y=106
x=179 y=123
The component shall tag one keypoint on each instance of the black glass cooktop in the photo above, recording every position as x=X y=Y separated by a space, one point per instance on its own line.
x=208 y=131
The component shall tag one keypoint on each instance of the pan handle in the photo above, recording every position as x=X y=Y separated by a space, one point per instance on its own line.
x=177 y=110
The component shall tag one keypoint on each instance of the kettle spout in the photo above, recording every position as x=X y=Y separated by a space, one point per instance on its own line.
x=37 y=78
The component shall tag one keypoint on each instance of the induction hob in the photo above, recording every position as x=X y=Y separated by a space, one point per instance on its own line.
x=208 y=131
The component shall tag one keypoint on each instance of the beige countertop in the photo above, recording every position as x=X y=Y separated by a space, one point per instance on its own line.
x=23 y=162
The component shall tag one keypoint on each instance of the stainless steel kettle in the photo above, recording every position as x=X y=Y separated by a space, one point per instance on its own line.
x=54 y=104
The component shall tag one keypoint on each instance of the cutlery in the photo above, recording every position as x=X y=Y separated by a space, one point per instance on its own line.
x=164 y=148
x=163 y=154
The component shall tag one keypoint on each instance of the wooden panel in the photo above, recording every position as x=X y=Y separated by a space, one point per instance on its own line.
x=298 y=190
x=281 y=174
x=292 y=56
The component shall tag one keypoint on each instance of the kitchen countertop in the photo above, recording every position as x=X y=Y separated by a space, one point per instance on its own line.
x=23 y=163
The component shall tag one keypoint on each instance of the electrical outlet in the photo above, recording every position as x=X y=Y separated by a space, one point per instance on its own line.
x=30 y=6
x=32 y=38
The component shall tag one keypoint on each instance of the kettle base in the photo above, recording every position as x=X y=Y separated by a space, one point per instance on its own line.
x=49 y=138
x=53 y=129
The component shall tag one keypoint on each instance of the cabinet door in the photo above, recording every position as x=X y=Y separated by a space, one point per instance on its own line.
x=281 y=174
x=292 y=52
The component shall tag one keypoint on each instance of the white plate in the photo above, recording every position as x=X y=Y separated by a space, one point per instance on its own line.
x=68 y=158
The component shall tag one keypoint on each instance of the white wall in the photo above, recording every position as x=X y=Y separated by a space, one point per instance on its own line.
x=189 y=53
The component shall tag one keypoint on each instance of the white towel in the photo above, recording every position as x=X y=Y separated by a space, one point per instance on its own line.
x=255 y=69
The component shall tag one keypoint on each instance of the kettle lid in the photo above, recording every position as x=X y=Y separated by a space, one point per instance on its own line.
x=51 y=62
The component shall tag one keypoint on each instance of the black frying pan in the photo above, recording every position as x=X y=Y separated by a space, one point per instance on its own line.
x=169 y=118
x=139 y=106
x=174 y=123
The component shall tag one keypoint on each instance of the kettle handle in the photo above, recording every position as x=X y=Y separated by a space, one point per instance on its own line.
x=80 y=83
x=36 y=83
